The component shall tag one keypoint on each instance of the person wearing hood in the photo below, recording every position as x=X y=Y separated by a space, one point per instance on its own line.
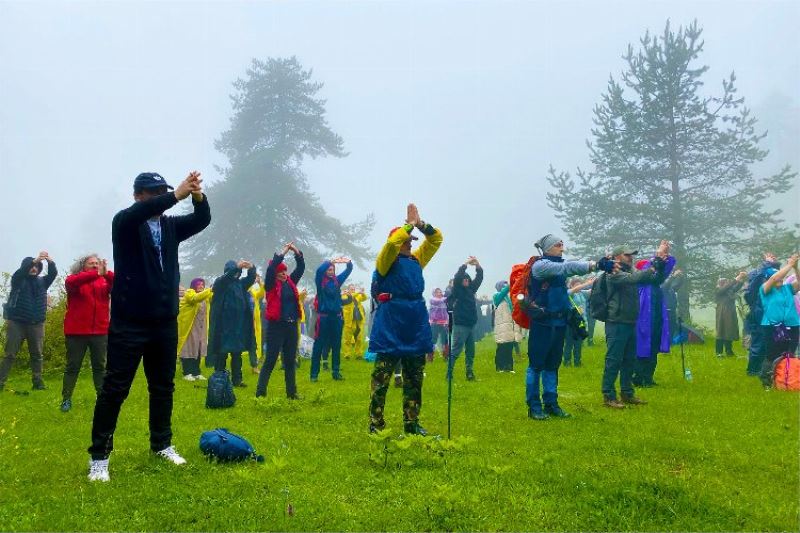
x=401 y=330
x=440 y=321
x=284 y=312
x=463 y=303
x=504 y=334
x=86 y=322
x=193 y=318
x=652 y=326
x=727 y=319
x=752 y=297
x=353 y=312
x=329 y=316
x=231 y=327
x=548 y=307
x=25 y=313
x=780 y=322
x=144 y=311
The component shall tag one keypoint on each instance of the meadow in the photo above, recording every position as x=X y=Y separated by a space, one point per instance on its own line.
x=715 y=454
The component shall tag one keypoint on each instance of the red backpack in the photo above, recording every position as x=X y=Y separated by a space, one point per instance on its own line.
x=518 y=283
x=786 y=375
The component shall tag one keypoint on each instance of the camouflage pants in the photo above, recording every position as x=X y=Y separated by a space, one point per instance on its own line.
x=413 y=372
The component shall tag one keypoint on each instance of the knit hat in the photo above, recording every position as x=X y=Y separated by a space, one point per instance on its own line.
x=196 y=282
x=500 y=284
x=230 y=265
x=547 y=242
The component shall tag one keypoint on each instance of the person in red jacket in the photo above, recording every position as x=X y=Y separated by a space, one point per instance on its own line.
x=86 y=321
x=283 y=315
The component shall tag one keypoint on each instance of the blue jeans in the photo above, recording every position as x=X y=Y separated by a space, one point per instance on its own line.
x=329 y=338
x=545 y=349
x=463 y=339
x=620 y=359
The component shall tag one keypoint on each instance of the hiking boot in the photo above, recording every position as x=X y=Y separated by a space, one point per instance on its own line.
x=537 y=414
x=325 y=366
x=199 y=377
x=376 y=428
x=719 y=356
x=39 y=385
x=413 y=428
x=632 y=400
x=398 y=382
x=98 y=470
x=608 y=401
x=294 y=396
x=189 y=377
x=66 y=405
x=556 y=411
x=261 y=393
x=171 y=455
x=240 y=385
x=338 y=377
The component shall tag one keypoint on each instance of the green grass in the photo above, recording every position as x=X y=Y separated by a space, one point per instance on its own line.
x=717 y=454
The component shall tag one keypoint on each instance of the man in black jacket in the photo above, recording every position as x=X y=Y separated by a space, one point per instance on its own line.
x=25 y=313
x=144 y=310
x=465 y=315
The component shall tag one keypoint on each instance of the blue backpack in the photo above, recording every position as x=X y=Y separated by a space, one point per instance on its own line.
x=220 y=391
x=224 y=446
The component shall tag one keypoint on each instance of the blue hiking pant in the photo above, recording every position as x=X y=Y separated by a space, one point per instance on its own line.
x=329 y=337
x=545 y=349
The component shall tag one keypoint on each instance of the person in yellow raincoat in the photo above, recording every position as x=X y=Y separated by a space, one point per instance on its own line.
x=193 y=312
x=354 y=331
x=257 y=293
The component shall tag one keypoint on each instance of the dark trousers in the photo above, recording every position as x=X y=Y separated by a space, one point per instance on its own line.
x=572 y=349
x=190 y=367
x=439 y=332
x=76 y=350
x=778 y=342
x=755 y=356
x=282 y=338
x=129 y=343
x=504 y=356
x=545 y=349
x=644 y=368
x=590 y=323
x=413 y=375
x=221 y=360
x=16 y=333
x=620 y=359
x=328 y=338
x=724 y=345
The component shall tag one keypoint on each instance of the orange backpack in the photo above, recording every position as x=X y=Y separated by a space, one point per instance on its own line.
x=518 y=283
x=786 y=375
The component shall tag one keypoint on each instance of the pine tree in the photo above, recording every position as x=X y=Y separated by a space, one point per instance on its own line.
x=264 y=199
x=670 y=162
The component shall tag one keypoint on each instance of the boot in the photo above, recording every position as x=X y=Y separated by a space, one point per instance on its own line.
x=535 y=412
x=630 y=399
x=610 y=401
x=414 y=428
x=398 y=381
x=556 y=411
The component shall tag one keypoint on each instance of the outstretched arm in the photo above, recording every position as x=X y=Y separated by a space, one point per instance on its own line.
x=433 y=240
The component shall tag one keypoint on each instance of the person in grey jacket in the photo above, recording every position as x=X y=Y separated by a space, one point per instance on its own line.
x=25 y=312
x=623 y=312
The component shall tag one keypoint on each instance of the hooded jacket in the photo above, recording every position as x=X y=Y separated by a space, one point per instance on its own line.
x=329 y=296
x=231 y=328
x=276 y=296
x=462 y=299
x=88 y=297
x=27 y=300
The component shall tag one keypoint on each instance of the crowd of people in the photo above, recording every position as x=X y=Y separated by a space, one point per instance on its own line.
x=142 y=314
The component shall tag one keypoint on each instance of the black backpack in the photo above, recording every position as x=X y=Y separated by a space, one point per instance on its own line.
x=598 y=298
x=220 y=391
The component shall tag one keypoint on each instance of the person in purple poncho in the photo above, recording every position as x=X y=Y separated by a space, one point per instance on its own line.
x=652 y=326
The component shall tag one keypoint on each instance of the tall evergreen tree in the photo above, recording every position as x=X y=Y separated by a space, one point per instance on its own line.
x=670 y=162
x=264 y=199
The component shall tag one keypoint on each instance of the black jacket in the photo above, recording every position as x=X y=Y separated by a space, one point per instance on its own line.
x=462 y=299
x=143 y=291
x=27 y=301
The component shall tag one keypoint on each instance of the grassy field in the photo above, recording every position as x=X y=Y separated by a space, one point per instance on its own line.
x=716 y=454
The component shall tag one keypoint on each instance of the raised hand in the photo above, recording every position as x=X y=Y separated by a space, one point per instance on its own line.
x=412 y=215
x=187 y=186
x=102 y=269
x=663 y=249
x=792 y=262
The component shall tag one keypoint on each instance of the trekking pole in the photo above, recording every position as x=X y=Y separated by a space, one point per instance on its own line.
x=687 y=374
x=449 y=369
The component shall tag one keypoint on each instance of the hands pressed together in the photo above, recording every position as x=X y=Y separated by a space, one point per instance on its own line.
x=191 y=185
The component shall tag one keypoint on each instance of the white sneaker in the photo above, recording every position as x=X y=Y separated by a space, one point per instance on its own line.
x=98 y=470
x=189 y=377
x=200 y=377
x=171 y=454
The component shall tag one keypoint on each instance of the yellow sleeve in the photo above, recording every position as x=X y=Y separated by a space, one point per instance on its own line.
x=257 y=291
x=390 y=250
x=425 y=252
x=360 y=297
x=190 y=297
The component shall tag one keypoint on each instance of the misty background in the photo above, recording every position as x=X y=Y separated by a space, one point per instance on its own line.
x=462 y=105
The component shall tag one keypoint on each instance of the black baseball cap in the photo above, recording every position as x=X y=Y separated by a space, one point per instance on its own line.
x=150 y=180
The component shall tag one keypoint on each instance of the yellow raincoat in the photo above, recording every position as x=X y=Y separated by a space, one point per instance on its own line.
x=354 y=332
x=187 y=311
x=257 y=291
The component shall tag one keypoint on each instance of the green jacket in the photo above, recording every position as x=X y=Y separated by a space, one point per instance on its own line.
x=623 y=289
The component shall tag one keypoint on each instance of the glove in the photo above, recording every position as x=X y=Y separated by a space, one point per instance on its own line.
x=605 y=264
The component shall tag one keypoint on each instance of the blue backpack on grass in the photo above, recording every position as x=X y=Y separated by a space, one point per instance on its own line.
x=224 y=446
x=220 y=391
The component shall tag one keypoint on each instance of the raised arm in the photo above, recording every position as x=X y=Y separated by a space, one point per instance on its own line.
x=391 y=248
x=52 y=272
x=195 y=222
x=425 y=251
x=271 y=271
x=299 y=267
x=476 y=283
x=131 y=218
x=248 y=280
x=544 y=269
x=346 y=274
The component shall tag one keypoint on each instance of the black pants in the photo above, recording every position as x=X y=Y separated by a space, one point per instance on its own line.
x=726 y=345
x=190 y=367
x=76 y=351
x=221 y=359
x=282 y=338
x=778 y=340
x=504 y=356
x=128 y=343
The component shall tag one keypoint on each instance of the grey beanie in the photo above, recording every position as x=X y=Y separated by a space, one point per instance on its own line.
x=500 y=284
x=547 y=242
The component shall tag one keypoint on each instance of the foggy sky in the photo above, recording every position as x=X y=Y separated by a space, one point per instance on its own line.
x=463 y=105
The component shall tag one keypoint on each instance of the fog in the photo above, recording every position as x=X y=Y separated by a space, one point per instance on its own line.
x=462 y=106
